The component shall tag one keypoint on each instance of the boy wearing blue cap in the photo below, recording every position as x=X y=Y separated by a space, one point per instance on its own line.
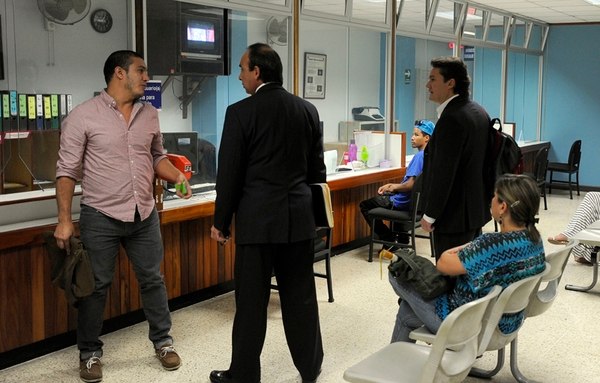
x=397 y=196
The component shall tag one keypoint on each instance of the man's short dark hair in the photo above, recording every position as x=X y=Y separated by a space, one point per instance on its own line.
x=265 y=57
x=121 y=59
x=454 y=68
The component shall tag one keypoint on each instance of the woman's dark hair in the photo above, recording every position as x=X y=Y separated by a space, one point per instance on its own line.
x=118 y=59
x=454 y=68
x=263 y=56
x=522 y=195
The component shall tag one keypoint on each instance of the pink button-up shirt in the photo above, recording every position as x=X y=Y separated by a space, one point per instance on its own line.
x=114 y=159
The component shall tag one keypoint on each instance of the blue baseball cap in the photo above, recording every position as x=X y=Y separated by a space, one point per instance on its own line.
x=425 y=126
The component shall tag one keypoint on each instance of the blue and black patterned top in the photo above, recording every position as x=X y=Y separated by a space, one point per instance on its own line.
x=493 y=259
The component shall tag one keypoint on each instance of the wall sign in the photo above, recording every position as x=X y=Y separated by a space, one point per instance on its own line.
x=152 y=93
x=315 y=66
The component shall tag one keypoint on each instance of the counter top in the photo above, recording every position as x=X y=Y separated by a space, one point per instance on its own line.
x=525 y=144
x=199 y=205
x=36 y=195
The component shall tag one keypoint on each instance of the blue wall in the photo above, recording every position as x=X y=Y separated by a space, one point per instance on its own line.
x=571 y=96
x=405 y=92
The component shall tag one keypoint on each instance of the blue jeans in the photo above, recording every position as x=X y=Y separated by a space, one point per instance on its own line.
x=414 y=312
x=142 y=242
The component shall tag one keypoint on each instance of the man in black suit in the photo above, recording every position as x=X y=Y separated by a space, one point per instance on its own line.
x=271 y=150
x=456 y=204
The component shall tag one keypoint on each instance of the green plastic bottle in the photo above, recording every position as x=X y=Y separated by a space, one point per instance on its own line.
x=364 y=154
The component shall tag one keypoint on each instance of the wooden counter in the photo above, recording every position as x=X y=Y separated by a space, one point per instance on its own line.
x=529 y=149
x=33 y=310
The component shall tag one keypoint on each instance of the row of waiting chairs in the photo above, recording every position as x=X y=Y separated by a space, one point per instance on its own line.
x=465 y=334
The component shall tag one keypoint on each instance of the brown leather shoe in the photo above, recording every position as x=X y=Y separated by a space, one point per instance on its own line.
x=90 y=370
x=168 y=358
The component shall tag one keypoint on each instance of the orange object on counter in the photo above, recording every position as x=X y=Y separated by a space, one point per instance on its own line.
x=182 y=163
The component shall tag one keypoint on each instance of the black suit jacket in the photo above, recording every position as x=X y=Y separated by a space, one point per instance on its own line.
x=271 y=149
x=453 y=182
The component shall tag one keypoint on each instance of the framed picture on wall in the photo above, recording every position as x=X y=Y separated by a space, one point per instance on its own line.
x=315 y=67
x=509 y=128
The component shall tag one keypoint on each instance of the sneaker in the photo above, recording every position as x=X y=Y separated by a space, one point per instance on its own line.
x=168 y=358
x=90 y=370
x=391 y=249
x=389 y=255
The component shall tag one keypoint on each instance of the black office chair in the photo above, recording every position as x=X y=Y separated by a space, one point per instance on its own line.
x=540 y=166
x=401 y=222
x=322 y=243
x=322 y=252
x=570 y=167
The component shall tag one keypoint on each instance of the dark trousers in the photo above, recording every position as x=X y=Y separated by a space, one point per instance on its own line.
x=142 y=241
x=293 y=268
x=382 y=230
x=445 y=241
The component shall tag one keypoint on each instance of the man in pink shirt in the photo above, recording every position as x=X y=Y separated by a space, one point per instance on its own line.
x=113 y=145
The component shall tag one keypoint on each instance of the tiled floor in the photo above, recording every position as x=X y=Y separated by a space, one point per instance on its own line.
x=559 y=346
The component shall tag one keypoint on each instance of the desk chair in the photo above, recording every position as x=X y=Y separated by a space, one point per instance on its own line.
x=452 y=352
x=323 y=252
x=540 y=167
x=322 y=244
x=569 y=167
x=401 y=222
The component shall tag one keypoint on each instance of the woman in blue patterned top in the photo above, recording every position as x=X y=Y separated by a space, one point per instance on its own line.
x=514 y=253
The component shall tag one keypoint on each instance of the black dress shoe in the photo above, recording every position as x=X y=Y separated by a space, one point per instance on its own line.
x=313 y=380
x=224 y=376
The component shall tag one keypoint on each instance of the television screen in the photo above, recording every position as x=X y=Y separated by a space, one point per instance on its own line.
x=203 y=32
x=201 y=37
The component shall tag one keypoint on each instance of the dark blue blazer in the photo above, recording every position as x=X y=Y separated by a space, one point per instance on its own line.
x=271 y=150
x=453 y=182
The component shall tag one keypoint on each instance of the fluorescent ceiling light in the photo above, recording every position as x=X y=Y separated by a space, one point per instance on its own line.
x=469 y=33
x=593 y=2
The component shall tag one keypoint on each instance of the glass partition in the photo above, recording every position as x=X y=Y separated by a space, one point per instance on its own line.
x=369 y=10
x=520 y=31
x=59 y=66
x=354 y=98
x=332 y=7
x=446 y=17
x=48 y=68
x=412 y=17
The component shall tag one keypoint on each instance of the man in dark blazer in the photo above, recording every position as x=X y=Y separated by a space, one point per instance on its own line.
x=456 y=205
x=271 y=150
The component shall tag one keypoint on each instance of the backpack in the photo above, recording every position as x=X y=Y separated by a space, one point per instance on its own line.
x=503 y=155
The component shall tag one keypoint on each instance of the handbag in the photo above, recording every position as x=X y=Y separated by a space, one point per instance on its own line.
x=419 y=273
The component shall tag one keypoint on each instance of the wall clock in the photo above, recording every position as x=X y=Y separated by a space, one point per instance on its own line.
x=101 y=20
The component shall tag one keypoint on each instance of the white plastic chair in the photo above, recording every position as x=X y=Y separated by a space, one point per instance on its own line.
x=513 y=299
x=542 y=299
x=410 y=362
